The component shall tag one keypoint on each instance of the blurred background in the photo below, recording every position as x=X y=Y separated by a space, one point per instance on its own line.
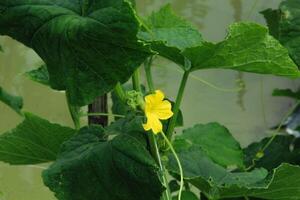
x=248 y=113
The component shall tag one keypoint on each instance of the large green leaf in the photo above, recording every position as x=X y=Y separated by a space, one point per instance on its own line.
x=40 y=75
x=14 y=102
x=284 y=184
x=34 y=141
x=273 y=19
x=88 y=46
x=217 y=183
x=217 y=142
x=284 y=24
x=248 y=46
x=91 y=168
x=208 y=176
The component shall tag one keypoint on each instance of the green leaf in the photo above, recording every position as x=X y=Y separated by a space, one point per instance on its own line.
x=34 y=141
x=280 y=151
x=14 y=102
x=90 y=168
x=88 y=46
x=172 y=30
x=40 y=75
x=273 y=18
x=217 y=183
x=170 y=35
x=211 y=178
x=217 y=142
x=285 y=22
x=1 y=49
x=284 y=184
x=248 y=47
x=286 y=93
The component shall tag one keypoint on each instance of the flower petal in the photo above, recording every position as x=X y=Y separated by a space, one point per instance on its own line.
x=159 y=95
x=163 y=110
x=155 y=98
x=153 y=124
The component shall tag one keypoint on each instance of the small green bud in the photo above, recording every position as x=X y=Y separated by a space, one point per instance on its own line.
x=135 y=99
x=259 y=154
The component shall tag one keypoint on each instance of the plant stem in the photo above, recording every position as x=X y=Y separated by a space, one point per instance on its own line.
x=147 y=67
x=102 y=114
x=291 y=110
x=136 y=80
x=176 y=107
x=120 y=92
x=155 y=153
x=264 y=148
x=152 y=140
x=74 y=111
x=178 y=162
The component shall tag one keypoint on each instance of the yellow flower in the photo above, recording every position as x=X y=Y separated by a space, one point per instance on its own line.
x=156 y=109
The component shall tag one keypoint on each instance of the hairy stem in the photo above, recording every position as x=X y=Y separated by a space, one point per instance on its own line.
x=120 y=92
x=155 y=153
x=154 y=150
x=178 y=162
x=176 y=107
x=147 y=67
x=136 y=80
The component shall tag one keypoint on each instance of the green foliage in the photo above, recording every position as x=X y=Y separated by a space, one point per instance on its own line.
x=91 y=46
x=40 y=75
x=178 y=41
x=281 y=150
x=14 y=102
x=273 y=20
x=259 y=53
x=217 y=142
x=284 y=184
x=79 y=42
x=284 y=24
x=34 y=141
x=89 y=167
x=169 y=35
x=216 y=182
x=211 y=178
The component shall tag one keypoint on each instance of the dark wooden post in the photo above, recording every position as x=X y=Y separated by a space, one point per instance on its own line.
x=99 y=106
